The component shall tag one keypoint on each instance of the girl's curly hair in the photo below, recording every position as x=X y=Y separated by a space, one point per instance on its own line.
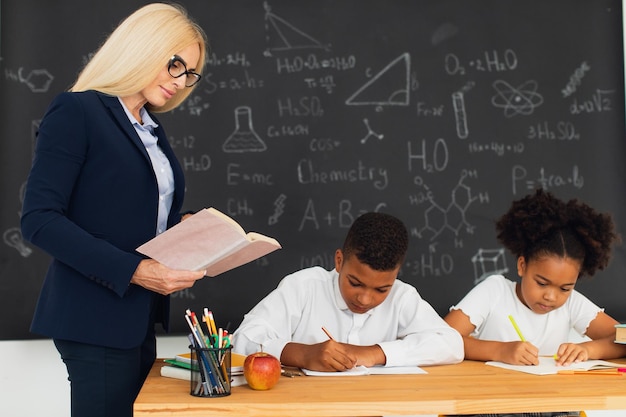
x=540 y=224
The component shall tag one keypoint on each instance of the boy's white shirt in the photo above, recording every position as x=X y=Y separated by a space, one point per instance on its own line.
x=405 y=326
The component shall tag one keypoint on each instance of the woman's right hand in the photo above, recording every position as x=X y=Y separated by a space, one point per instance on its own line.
x=156 y=277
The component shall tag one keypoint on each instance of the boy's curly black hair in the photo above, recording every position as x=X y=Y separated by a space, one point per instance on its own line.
x=540 y=224
x=378 y=240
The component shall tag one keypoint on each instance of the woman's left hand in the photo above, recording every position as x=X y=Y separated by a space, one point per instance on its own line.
x=156 y=277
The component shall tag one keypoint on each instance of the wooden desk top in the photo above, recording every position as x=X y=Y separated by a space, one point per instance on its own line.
x=469 y=387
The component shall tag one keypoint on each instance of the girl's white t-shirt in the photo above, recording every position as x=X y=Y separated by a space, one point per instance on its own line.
x=489 y=304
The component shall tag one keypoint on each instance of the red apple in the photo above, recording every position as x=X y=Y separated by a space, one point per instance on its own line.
x=261 y=370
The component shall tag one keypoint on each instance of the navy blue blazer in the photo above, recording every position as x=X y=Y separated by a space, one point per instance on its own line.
x=91 y=199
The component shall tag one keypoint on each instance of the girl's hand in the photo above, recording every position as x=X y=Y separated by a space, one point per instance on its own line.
x=519 y=353
x=569 y=353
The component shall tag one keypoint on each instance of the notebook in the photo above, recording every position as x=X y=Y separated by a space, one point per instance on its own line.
x=548 y=366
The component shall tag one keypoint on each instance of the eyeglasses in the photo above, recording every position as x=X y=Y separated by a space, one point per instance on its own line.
x=177 y=68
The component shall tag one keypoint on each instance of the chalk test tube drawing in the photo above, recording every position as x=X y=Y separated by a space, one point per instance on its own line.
x=460 y=115
x=370 y=132
x=13 y=238
x=488 y=262
x=389 y=87
x=522 y=99
x=244 y=138
x=283 y=36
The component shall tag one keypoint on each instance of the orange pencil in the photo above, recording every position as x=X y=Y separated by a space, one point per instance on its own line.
x=328 y=333
x=590 y=372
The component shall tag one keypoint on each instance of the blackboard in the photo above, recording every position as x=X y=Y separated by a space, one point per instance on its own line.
x=438 y=111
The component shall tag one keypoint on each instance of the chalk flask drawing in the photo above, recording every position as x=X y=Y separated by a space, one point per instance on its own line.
x=244 y=138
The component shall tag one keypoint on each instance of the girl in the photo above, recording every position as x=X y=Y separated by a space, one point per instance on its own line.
x=555 y=243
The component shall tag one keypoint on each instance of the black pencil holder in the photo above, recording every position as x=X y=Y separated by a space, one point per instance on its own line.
x=210 y=371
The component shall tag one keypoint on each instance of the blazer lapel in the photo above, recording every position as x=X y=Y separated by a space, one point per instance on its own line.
x=119 y=116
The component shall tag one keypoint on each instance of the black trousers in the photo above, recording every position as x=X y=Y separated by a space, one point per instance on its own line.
x=105 y=381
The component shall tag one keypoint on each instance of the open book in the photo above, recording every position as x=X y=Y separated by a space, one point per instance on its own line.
x=374 y=370
x=548 y=366
x=208 y=240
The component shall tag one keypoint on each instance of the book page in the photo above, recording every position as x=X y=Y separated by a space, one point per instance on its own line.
x=374 y=370
x=226 y=218
x=246 y=252
x=185 y=374
x=395 y=370
x=253 y=236
x=236 y=361
x=203 y=239
x=620 y=333
x=357 y=370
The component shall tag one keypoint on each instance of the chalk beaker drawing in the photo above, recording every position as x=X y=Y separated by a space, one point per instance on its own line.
x=244 y=138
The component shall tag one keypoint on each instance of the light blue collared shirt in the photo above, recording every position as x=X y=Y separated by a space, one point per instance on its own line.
x=160 y=164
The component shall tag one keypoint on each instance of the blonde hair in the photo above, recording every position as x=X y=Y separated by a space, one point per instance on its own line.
x=138 y=49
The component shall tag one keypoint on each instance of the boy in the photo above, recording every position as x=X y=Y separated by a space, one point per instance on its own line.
x=356 y=314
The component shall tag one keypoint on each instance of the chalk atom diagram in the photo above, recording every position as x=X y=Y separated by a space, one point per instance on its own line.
x=522 y=100
x=389 y=87
x=283 y=36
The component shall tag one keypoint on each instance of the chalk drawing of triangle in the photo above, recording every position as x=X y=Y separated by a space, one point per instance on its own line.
x=286 y=36
x=390 y=87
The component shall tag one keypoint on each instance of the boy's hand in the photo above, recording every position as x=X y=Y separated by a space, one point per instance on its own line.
x=326 y=356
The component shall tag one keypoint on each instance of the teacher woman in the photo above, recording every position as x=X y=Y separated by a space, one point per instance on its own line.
x=104 y=180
